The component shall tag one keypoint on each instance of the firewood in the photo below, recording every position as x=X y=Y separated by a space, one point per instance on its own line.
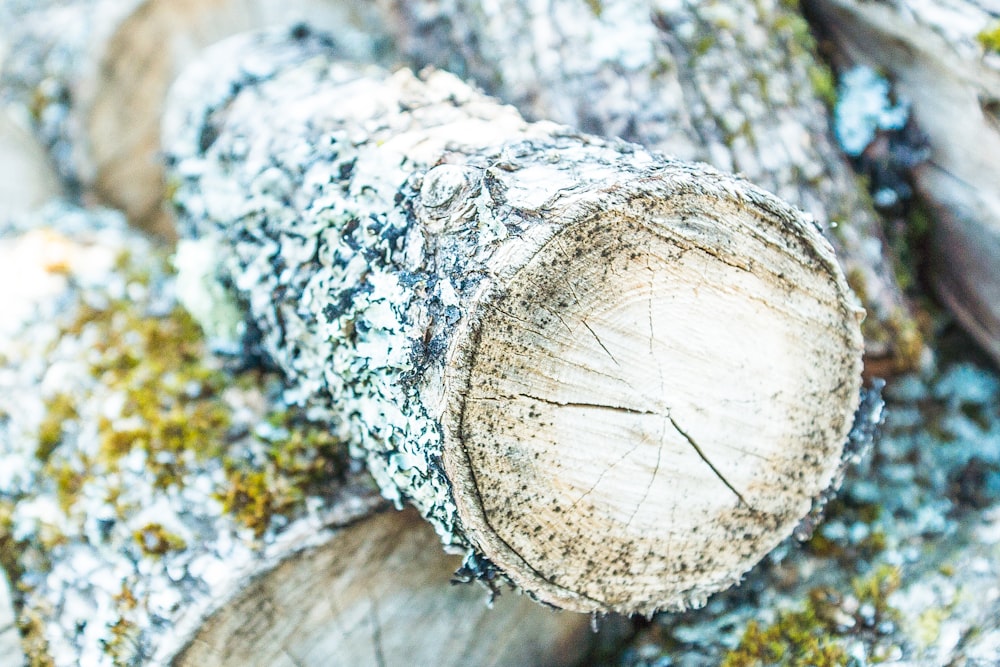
x=612 y=377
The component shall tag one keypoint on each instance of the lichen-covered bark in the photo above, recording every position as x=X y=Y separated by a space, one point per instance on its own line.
x=735 y=84
x=944 y=59
x=389 y=237
x=141 y=482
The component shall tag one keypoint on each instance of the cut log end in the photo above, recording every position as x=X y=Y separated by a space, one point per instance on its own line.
x=653 y=402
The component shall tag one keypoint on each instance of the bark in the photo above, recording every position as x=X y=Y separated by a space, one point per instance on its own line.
x=94 y=74
x=155 y=503
x=593 y=368
x=941 y=60
x=734 y=84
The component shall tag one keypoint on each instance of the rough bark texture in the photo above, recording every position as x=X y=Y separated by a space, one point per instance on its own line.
x=615 y=378
x=145 y=487
x=734 y=84
x=944 y=58
x=94 y=74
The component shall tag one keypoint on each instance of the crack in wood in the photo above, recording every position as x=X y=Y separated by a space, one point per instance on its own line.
x=704 y=458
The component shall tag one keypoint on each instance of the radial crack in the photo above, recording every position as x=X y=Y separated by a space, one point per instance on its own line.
x=596 y=406
x=704 y=458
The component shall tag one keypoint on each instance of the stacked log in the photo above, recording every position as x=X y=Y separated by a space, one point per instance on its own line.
x=94 y=74
x=737 y=85
x=596 y=370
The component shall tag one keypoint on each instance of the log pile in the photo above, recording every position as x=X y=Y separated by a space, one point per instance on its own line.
x=611 y=378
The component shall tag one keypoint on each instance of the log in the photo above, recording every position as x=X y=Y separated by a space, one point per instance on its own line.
x=614 y=378
x=942 y=62
x=94 y=74
x=385 y=601
x=737 y=85
x=156 y=505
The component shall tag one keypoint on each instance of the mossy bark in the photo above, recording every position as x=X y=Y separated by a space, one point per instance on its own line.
x=148 y=491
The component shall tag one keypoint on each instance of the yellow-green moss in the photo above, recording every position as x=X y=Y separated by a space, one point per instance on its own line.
x=155 y=540
x=795 y=639
x=815 y=635
x=823 y=84
x=173 y=411
x=59 y=409
x=990 y=37
x=596 y=7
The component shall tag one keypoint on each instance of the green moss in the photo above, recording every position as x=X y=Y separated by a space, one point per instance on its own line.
x=596 y=8
x=816 y=634
x=36 y=648
x=704 y=44
x=990 y=37
x=300 y=461
x=795 y=639
x=173 y=411
x=823 y=84
x=875 y=590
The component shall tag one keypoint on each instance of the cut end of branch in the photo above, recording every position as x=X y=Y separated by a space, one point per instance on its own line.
x=653 y=401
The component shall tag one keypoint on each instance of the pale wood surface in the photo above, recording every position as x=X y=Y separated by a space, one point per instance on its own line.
x=378 y=595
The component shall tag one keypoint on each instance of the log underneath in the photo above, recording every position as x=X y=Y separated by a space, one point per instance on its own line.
x=616 y=378
x=378 y=595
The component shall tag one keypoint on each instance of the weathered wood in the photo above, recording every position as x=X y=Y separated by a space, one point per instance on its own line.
x=378 y=595
x=944 y=65
x=94 y=74
x=735 y=84
x=615 y=378
x=148 y=494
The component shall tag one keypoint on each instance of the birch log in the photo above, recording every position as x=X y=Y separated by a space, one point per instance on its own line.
x=155 y=505
x=735 y=84
x=614 y=378
x=94 y=74
x=944 y=59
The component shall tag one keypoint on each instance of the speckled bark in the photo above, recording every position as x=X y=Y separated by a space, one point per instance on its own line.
x=735 y=84
x=548 y=342
x=945 y=65
x=94 y=73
